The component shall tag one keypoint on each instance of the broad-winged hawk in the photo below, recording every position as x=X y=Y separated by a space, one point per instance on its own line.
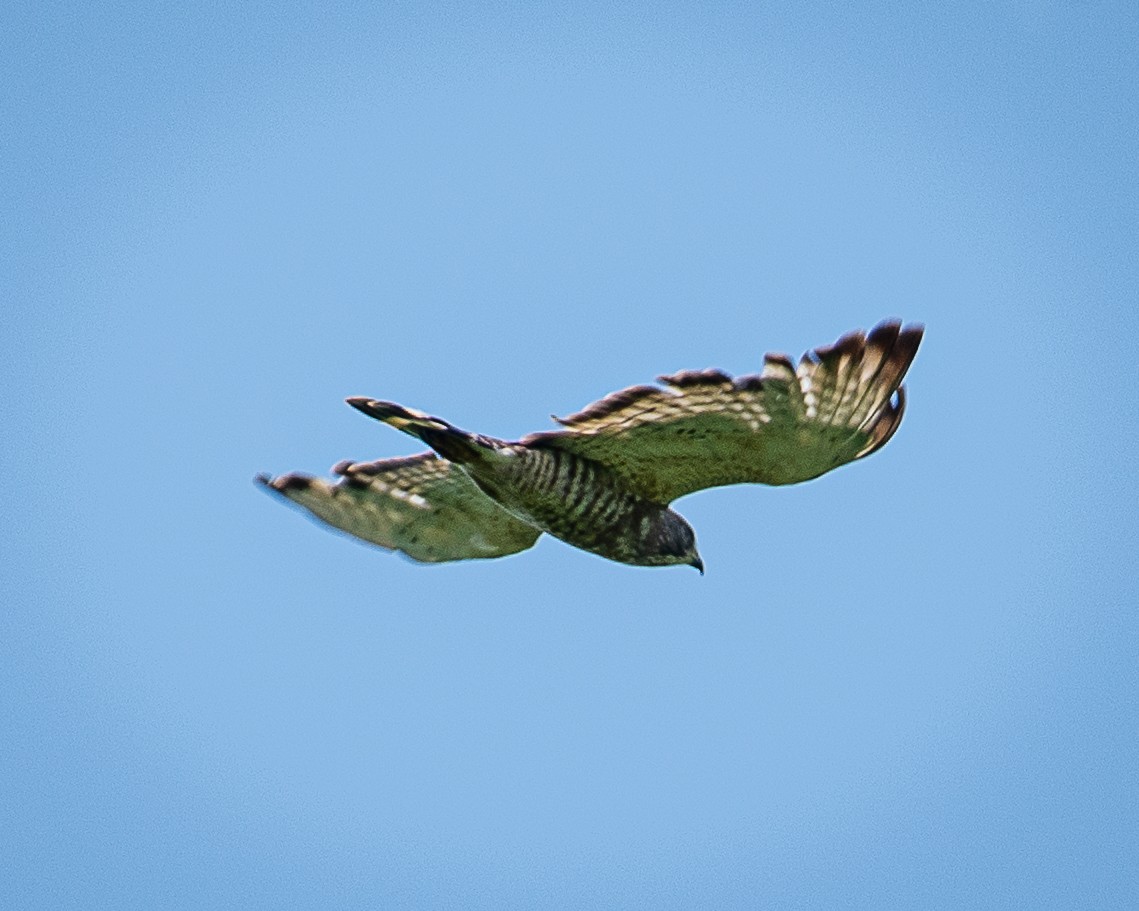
x=603 y=483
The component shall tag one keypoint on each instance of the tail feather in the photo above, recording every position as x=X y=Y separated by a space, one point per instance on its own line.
x=449 y=441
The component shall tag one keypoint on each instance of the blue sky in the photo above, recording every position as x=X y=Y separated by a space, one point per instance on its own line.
x=911 y=683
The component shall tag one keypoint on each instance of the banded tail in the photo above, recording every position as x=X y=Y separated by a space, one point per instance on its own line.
x=450 y=442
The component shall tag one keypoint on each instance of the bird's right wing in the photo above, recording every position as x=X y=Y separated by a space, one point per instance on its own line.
x=422 y=505
x=788 y=424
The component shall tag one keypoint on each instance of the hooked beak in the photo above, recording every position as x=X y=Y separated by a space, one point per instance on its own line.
x=698 y=563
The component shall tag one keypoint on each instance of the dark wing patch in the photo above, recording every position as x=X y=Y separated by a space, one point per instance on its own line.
x=787 y=424
x=421 y=505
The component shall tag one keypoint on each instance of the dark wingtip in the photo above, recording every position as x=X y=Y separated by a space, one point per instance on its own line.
x=374 y=408
x=284 y=483
x=909 y=339
x=362 y=403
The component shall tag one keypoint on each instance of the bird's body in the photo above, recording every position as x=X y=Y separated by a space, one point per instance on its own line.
x=570 y=497
x=605 y=482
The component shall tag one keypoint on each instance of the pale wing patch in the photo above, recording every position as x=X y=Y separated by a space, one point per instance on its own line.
x=424 y=506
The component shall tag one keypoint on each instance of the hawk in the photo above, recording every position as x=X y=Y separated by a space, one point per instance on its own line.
x=604 y=481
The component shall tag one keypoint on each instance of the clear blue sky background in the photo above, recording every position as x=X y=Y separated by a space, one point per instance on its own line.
x=910 y=684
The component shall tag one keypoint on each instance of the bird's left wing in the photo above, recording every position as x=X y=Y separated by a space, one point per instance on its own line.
x=790 y=423
x=422 y=505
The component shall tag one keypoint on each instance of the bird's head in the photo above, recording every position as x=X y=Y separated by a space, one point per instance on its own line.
x=672 y=541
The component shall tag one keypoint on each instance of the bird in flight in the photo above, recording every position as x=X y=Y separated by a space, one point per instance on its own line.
x=604 y=481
